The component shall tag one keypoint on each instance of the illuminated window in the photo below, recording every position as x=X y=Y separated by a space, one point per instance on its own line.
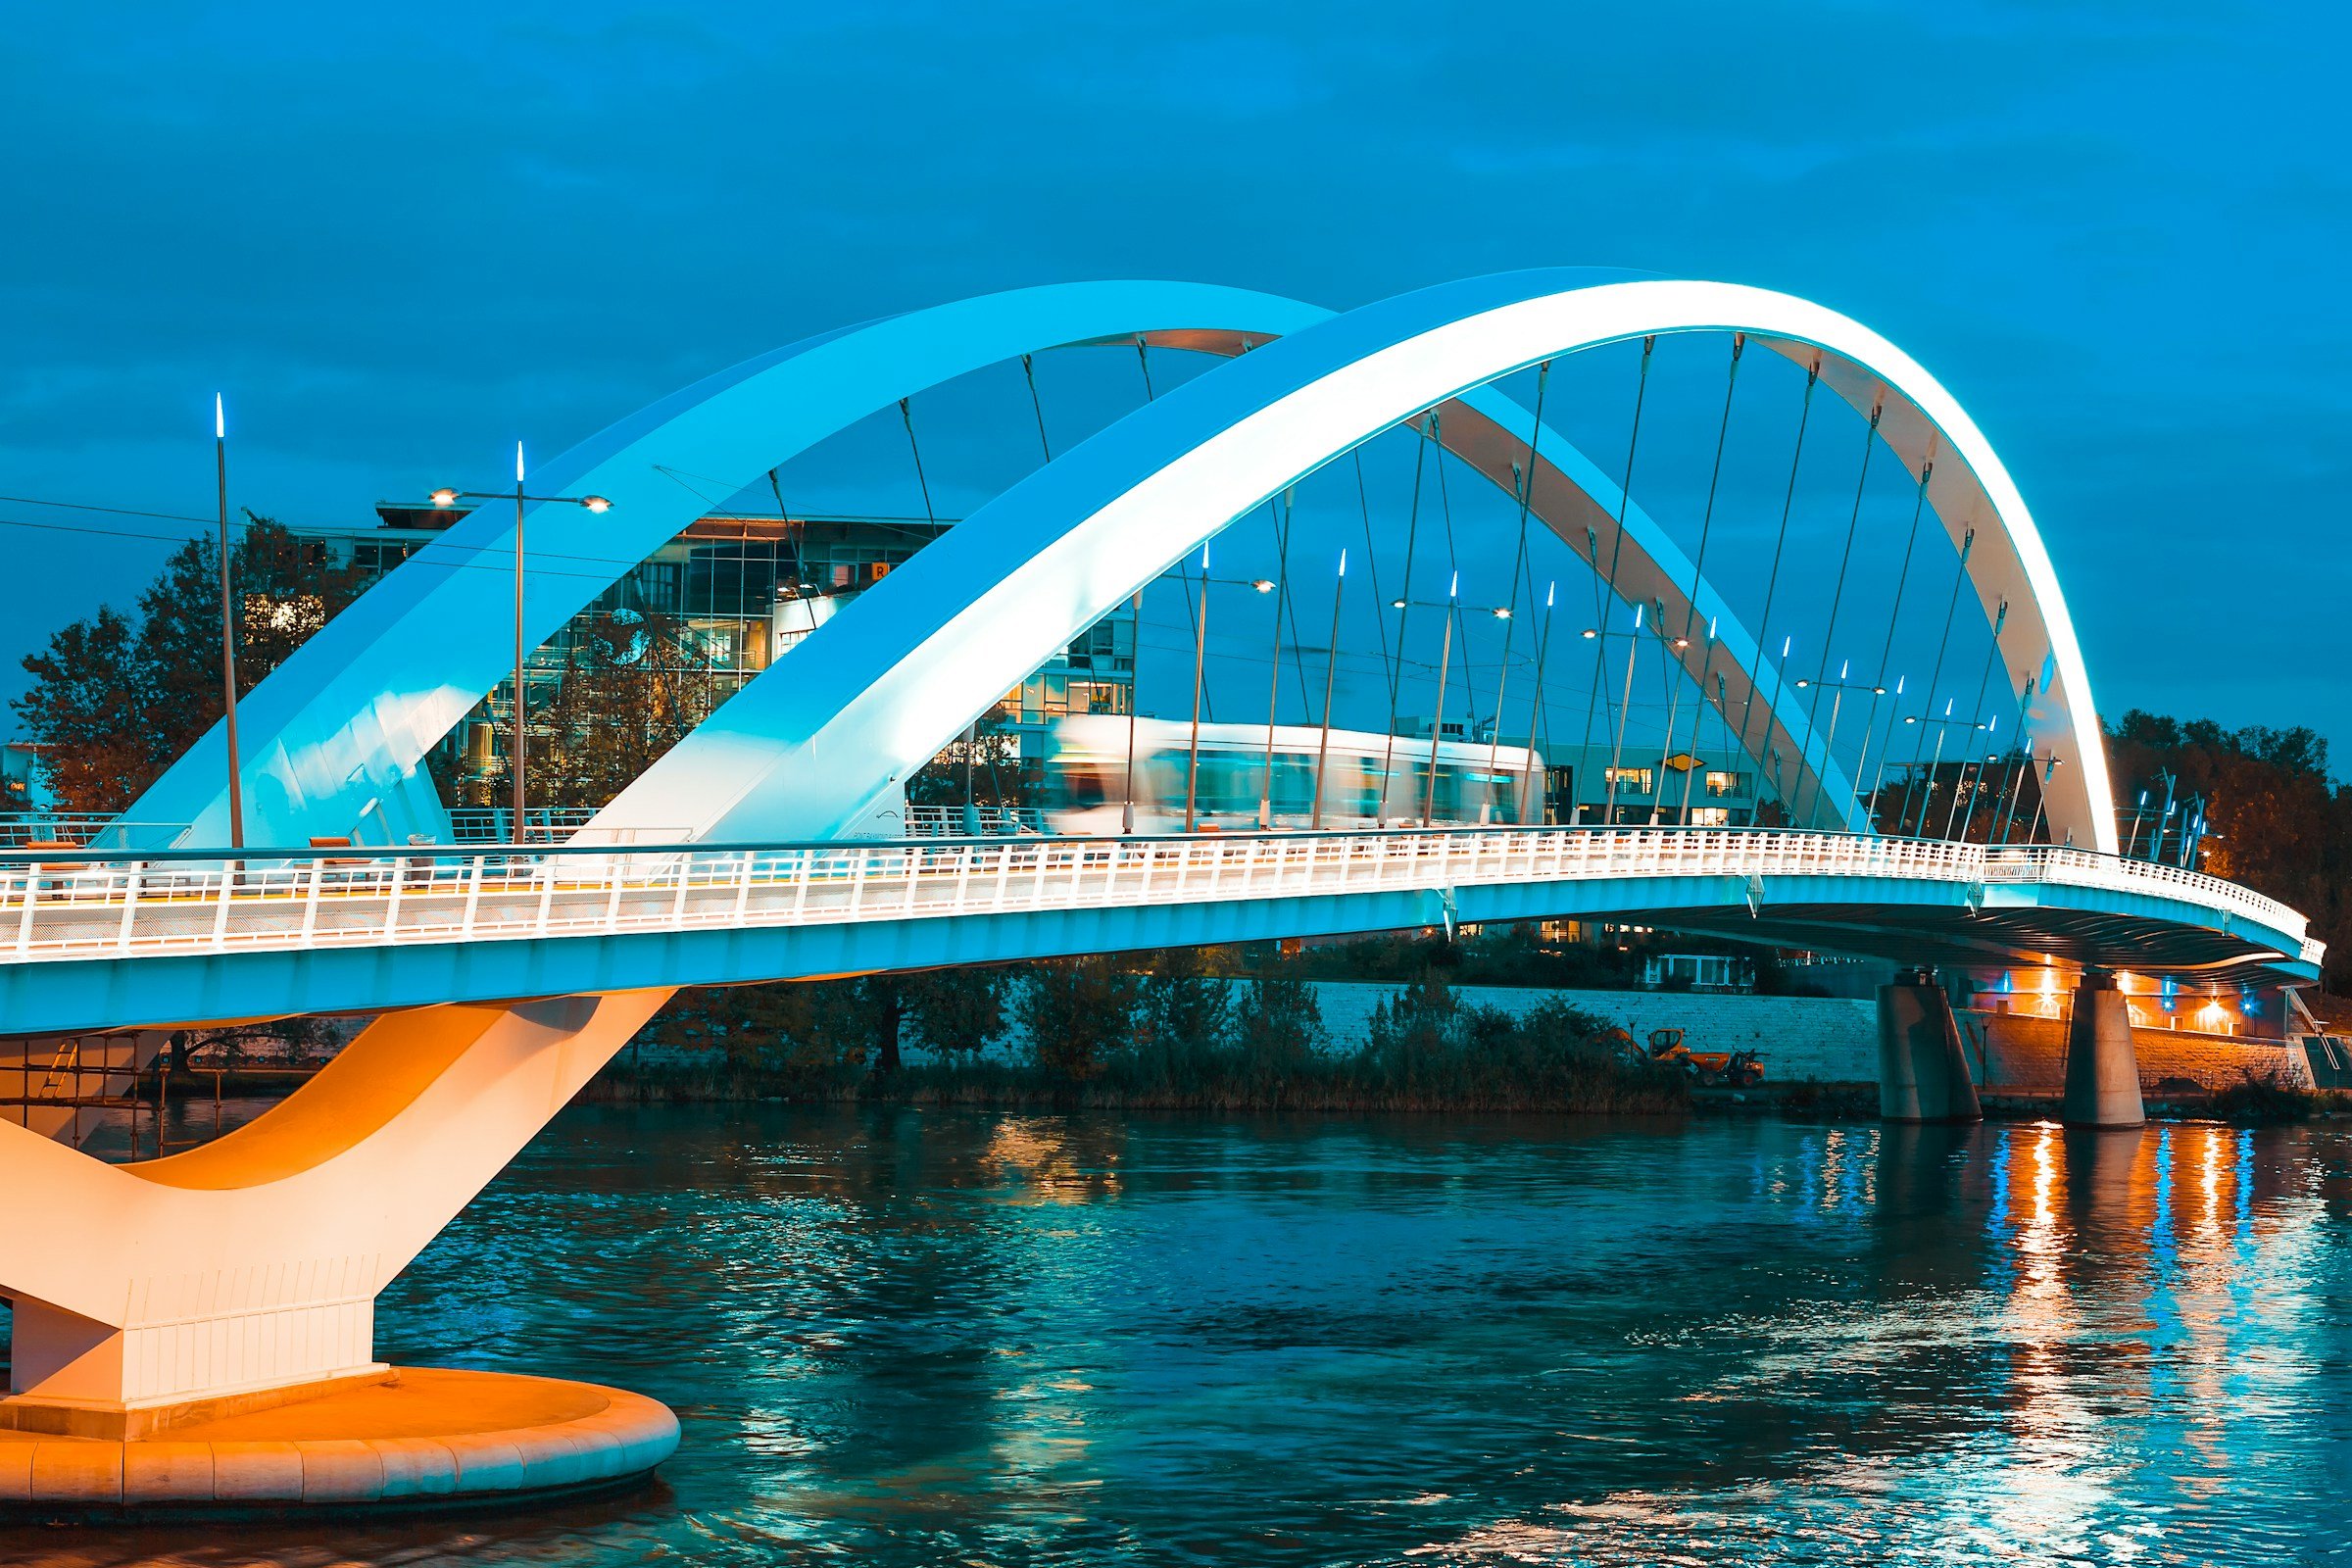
x=1629 y=780
x=1725 y=783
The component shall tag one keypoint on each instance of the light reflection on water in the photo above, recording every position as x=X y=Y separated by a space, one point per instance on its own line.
x=925 y=1337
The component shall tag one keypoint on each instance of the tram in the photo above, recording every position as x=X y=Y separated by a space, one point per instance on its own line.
x=1368 y=779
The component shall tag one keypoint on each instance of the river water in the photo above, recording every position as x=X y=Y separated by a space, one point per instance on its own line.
x=926 y=1336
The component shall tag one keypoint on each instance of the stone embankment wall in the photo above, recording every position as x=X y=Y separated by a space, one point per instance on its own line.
x=2026 y=1055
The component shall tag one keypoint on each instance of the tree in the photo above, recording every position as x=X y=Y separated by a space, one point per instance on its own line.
x=1278 y=1027
x=994 y=757
x=2276 y=822
x=85 y=710
x=631 y=687
x=802 y=1037
x=1076 y=1011
x=957 y=1011
x=115 y=700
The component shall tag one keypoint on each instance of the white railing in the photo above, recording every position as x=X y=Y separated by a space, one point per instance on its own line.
x=100 y=906
x=91 y=829
x=982 y=821
x=2115 y=875
x=541 y=824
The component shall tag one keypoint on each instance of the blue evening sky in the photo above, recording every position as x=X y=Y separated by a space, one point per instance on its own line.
x=400 y=237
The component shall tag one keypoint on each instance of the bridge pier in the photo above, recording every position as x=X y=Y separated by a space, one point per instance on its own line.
x=2102 y=1065
x=1922 y=1071
x=191 y=1329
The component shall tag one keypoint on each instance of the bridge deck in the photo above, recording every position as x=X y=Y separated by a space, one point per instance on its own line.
x=114 y=910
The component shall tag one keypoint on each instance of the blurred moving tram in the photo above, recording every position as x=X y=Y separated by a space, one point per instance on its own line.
x=1368 y=779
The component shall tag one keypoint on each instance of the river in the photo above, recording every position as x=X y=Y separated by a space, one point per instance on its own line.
x=947 y=1337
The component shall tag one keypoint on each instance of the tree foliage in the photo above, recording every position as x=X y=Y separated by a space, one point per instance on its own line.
x=1076 y=1012
x=115 y=698
x=631 y=686
x=2277 y=824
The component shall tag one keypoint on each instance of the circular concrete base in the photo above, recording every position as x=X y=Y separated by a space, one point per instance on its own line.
x=422 y=1437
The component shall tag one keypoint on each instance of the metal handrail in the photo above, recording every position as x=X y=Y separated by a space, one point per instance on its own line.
x=98 y=903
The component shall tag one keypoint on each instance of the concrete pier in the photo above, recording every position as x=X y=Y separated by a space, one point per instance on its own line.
x=415 y=1436
x=1923 y=1073
x=2102 y=1068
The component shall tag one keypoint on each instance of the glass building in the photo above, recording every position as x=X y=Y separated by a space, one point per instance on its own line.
x=721 y=602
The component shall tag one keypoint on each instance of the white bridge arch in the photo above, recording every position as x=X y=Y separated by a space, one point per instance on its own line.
x=883 y=685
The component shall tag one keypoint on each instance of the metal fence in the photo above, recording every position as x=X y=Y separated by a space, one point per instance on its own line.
x=97 y=905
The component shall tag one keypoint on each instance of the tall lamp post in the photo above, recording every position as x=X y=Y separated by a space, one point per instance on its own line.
x=229 y=635
x=1451 y=605
x=444 y=499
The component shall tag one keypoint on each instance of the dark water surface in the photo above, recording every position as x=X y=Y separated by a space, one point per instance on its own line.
x=900 y=1337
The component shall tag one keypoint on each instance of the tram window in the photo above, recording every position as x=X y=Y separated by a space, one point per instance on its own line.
x=1293 y=782
x=1085 y=784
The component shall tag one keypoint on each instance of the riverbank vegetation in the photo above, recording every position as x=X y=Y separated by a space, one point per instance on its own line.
x=1165 y=1035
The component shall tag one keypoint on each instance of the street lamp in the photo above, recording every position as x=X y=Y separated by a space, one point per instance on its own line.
x=1940 y=727
x=1841 y=686
x=228 y=636
x=444 y=499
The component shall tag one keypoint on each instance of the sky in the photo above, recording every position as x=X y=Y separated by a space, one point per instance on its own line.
x=399 y=239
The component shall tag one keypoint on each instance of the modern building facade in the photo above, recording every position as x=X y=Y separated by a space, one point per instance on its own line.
x=716 y=606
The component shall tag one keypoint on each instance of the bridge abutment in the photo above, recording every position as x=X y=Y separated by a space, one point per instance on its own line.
x=1922 y=1071
x=2102 y=1065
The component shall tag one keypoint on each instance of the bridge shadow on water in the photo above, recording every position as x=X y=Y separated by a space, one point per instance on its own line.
x=901 y=1335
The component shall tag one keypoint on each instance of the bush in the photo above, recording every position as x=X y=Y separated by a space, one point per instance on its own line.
x=1076 y=1012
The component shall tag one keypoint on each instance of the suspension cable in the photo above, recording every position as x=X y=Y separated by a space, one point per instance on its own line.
x=1285 y=605
x=1183 y=569
x=1404 y=610
x=1853 y=525
x=907 y=414
x=1363 y=500
x=1625 y=497
x=1037 y=406
x=1903 y=581
x=1602 y=596
x=971 y=731
x=1453 y=606
x=1535 y=717
x=1698 y=578
x=1992 y=659
x=2023 y=748
x=1968 y=543
x=1527 y=485
x=2021 y=741
x=1772 y=585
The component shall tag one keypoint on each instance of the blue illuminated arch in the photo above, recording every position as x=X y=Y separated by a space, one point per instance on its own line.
x=891 y=677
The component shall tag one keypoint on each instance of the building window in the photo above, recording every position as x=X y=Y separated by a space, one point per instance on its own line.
x=1726 y=783
x=1629 y=780
x=1695 y=971
x=1710 y=816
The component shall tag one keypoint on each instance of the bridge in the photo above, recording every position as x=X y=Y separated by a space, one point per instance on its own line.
x=502 y=977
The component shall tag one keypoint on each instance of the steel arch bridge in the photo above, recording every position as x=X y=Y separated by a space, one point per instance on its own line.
x=345 y=724
x=254 y=1261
